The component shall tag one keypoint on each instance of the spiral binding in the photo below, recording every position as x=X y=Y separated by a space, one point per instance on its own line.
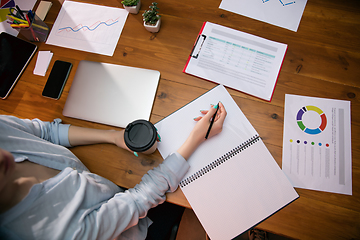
x=219 y=161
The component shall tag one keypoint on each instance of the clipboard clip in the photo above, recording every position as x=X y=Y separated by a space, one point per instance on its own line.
x=198 y=45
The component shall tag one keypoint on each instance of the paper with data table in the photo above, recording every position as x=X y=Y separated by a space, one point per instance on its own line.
x=317 y=143
x=88 y=27
x=238 y=60
x=282 y=13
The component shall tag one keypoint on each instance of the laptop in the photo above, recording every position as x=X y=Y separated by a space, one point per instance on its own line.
x=111 y=94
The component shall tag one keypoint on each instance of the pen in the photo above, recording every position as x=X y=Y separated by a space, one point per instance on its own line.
x=20 y=12
x=39 y=32
x=16 y=19
x=21 y=25
x=212 y=121
x=31 y=15
x=31 y=29
x=28 y=19
x=39 y=26
x=24 y=21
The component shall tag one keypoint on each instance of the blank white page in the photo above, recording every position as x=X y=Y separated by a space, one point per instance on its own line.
x=239 y=193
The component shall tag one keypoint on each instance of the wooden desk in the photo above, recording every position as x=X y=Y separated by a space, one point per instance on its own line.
x=323 y=60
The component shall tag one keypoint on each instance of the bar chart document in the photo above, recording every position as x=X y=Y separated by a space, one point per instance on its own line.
x=88 y=27
x=235 y=59
x=282 y=13
x=317 y=144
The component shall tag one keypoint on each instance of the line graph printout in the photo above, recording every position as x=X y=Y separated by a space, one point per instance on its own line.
x=317 y=143
x=282 y=13
x=88 y=27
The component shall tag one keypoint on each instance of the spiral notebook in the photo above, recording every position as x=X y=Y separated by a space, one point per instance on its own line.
x=233 y=182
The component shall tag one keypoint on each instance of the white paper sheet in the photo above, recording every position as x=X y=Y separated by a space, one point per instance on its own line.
x=239 y=60
x=282 y=13
x=23 y=5
x=88 y=27
x=317 y=144
x=42 y=62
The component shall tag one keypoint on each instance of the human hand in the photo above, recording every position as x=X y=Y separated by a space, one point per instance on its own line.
x=204 y=122
x=120 y=142
x=197 y=135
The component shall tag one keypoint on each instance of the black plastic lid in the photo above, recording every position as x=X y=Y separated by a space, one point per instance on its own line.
x=140 y=135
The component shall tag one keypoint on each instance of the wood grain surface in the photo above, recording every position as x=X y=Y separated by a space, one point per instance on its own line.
x=322 y=60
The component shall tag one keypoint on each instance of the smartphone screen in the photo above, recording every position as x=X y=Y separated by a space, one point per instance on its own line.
x=57 y=79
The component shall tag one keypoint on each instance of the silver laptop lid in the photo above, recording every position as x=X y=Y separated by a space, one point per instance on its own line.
x=111 y=94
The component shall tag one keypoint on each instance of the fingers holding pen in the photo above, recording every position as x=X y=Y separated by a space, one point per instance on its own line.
x=221 y=113
x=217 y=120
x=204 y=112
x=206 y=120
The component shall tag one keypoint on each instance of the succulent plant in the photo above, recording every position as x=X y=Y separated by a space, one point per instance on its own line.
x=151 y=16
x=130 y=3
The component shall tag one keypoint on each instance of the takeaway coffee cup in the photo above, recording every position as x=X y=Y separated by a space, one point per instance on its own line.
x=140 y=136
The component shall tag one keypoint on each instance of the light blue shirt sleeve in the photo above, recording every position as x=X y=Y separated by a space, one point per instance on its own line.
x=39 y=142
x=54 y=132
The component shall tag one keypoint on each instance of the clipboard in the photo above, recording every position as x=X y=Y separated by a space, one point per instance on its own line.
x=236 y=59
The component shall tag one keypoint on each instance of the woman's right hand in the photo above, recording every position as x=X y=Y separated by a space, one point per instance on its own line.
x=204 y=122
x=197 y=135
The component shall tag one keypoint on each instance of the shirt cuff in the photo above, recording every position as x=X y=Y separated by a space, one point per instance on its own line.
x=177 y=164
x=64 y=135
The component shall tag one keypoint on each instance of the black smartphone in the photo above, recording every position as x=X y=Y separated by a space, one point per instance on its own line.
x=57 y=79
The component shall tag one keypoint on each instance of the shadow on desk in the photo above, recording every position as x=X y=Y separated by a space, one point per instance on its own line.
x=190 y=229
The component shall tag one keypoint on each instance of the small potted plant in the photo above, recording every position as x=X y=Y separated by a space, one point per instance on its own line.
x=152 y=18
x=132 y=6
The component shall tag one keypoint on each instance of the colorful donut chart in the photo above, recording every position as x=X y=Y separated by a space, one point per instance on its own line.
x=307 y=130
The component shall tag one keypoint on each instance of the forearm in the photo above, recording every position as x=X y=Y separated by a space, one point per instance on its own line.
x=189 y=146
x=85 y=136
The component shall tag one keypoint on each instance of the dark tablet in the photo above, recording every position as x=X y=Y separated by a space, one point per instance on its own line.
x=15 y=54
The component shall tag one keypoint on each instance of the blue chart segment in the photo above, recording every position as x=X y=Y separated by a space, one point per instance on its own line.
x=282 y=2
x=91 y=28
x=314 y=131
x=98 y=32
